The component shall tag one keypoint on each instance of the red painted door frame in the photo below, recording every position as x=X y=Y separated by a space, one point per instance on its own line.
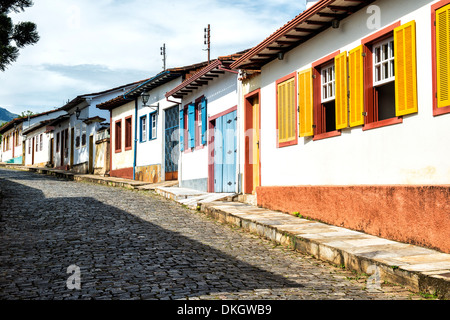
x=248 y=127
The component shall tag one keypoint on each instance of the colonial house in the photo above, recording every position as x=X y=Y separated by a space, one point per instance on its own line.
x=38 y=145
x=75 y=146
x=144 y=128
x=352 y=107
x=38 y=138
x=12 y=141
x=208 y=127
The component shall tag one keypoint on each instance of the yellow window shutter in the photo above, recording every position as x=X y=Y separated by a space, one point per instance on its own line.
x=340 y=63
x=286 y=111
x=356 y=84
x=305 y=102
x=443 y=56
x=405 y=69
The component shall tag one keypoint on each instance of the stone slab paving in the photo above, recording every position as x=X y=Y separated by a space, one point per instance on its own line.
x=127 y=244
x=418 y=268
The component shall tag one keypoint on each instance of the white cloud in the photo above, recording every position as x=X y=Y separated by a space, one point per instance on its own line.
x=87 y=46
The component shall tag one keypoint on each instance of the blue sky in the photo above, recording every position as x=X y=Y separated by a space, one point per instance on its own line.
x=89 y=46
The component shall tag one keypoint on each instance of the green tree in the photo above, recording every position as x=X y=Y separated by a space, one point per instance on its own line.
x=25 y=114
x=14 y=36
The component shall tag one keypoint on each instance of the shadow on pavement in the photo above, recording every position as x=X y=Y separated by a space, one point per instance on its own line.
x=120 y=255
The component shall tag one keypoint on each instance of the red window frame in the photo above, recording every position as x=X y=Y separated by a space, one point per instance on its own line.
x=319 y=108
x=128 y=133
x=118 y=136
x=444 y=110
x=370 y=101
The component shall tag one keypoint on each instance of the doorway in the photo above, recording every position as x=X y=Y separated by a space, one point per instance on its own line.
x=91 y=154
x=171 y=148
x=223 y=152
x=252 y=128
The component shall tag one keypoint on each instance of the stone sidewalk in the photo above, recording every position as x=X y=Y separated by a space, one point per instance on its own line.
x=417 y=268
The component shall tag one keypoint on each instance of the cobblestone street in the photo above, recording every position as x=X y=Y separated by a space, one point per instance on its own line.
x=136 y=245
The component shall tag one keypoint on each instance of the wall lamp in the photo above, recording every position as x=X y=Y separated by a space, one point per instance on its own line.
x=335 y=23
x=280 y=55
x=145 y=97
x=78 y=113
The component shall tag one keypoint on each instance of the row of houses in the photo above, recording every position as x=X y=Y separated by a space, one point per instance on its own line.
x=342 y=114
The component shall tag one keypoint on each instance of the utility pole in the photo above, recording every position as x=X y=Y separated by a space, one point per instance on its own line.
x=163 y=53
x=208 y=41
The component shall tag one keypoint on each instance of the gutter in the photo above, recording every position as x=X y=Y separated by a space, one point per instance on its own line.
x=142 y=84
x=228 y=70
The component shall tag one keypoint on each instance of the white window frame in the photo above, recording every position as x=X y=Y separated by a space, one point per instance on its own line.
x=328 y=83
x=144 y=128
x=383 y=62
x=153 y=125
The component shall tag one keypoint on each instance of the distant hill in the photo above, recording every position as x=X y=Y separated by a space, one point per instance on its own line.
x=6 y=116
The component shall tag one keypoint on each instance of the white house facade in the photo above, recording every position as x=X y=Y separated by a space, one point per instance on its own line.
x=209 y=128
x=12 y=141
x=78 y=132
x=354 y=117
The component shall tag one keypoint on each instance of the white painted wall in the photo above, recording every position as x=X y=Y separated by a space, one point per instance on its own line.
x=151 y=152
x=41 y=155
x=13 y=149
x=59 y=128
x=221 y=95
x=125 y=158
x=414 y=152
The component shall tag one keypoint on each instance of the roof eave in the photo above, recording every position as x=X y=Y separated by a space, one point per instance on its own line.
x=292 y=35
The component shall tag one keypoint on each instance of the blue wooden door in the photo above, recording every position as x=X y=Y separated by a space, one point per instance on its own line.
x=218 y=155
x=225 y=155
x=171 y=150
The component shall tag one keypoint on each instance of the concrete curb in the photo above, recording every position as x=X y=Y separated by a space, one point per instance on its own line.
x=416 y=268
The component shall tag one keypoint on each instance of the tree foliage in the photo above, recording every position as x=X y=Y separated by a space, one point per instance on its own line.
x=14 y=36
x=26 y=114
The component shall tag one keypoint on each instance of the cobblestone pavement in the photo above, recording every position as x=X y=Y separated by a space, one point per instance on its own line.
x=136 y=245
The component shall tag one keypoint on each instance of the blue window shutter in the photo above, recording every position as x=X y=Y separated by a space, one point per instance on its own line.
x=191 y=125
x=204 y=120
x=182 y=129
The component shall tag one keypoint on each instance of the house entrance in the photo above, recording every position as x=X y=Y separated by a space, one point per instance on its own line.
x=171 y=148
x=225 y=152
x=252 y=126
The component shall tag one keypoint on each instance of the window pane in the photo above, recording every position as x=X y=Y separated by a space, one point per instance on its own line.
x=377 y=54
x=385 y=51
x=377 y=73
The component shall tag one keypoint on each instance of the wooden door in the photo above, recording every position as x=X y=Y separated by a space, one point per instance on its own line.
x=72 y=143
x=171 y=148
x=52 y=151
x=225 y=153
x=256 y=143
x=32 y=152
x=91 y=154
x=61 y=150
x=252 y=123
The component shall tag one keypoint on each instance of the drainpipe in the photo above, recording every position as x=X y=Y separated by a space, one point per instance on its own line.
x=110 y=142
x=135 y=137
